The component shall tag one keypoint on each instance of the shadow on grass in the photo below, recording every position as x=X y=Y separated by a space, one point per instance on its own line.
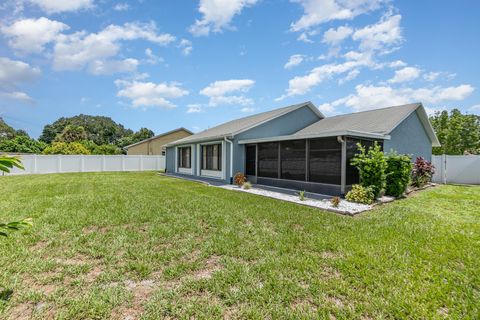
x=6 y=294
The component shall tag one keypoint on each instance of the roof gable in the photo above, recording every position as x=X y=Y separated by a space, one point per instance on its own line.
x=237 y=126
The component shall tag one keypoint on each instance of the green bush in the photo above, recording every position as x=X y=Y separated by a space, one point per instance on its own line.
x=22 y=144
x=399 y=170
x=66 y=148
x=371 y=165
x=361 y=194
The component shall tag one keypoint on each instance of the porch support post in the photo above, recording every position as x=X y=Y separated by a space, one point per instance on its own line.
x=343 y=180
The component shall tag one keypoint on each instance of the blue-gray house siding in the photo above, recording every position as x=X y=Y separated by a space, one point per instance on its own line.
x=410 y=137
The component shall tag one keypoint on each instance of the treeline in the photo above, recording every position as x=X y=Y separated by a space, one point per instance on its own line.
x=82 y=134
x=458 y=133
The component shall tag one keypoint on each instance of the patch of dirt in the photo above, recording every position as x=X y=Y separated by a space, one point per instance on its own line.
x=95 y=229
x=330 y=273
x=93 y=274
x=40 y=245
x=336 y=302
x=21 y=311
x=331 y=255
x=443 y=312
x=212 y=265
x=141 y=291
x=77 y=260
x=304 y=305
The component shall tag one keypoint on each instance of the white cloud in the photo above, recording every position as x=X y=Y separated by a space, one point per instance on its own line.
x=335 y=36
x=227 y=92
x=405 y=74
x=107 y=67
x=31 y=35
x=382 y=36
x=75 y=51
x=248 y=109
x=56 y=6
x=397 y=64
x=320 y=11
x=186 y=46
x=194 y=108
x=152 y=58
x=475 y=108
x=305 y=36
x=294 y=61
x=14 y=73
x=217 y=15
x=350 y=76
x=121 y=7
x=326 y=108
x=372 y=97
x=149 y=94
x=302 y=84
x=431 y=76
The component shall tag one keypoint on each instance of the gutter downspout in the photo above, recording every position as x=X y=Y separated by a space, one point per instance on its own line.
x=343 y=175
x=231 y=158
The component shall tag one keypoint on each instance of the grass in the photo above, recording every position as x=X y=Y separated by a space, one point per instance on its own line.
x=118 y=244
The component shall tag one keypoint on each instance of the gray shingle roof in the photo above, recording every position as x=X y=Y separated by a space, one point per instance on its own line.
x=236 y=126
x=381 y=121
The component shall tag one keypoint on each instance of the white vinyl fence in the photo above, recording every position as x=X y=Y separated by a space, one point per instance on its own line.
x=457 y=169
x=36 y=164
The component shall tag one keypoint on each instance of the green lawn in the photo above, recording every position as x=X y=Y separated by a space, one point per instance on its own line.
x=118 y=244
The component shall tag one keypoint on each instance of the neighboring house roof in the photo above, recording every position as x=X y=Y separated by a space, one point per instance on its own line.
x=158 y=136
x=237 y=126
x=377 y=123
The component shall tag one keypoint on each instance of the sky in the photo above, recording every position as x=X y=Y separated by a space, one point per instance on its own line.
x=195 y=64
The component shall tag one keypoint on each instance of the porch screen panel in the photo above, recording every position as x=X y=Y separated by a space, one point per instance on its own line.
x=292 y=156
x=352 y=149
x=251 y=159
x=268 y=160
x=325 y=158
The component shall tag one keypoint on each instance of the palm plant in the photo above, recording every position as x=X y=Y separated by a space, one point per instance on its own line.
x=6 y=164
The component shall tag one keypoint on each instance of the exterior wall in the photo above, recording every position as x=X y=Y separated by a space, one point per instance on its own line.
x=223 y=175
x=410 y=138
x=287 y=124
x=154 y=147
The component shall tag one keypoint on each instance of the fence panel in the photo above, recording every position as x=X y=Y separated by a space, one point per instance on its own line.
x=37 y=164
x=457 y=169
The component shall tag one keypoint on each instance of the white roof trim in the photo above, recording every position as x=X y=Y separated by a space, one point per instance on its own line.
x=319 y=135
x=157 y=136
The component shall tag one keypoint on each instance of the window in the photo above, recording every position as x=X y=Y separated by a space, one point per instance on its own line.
x=292 y=155
x=268 y=160
x=184 y=157
x=212 y=157
x=325 y=158
x=251 y=159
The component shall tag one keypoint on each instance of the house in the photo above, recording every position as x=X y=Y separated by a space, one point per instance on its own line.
x=297 y=147
x=156 y=145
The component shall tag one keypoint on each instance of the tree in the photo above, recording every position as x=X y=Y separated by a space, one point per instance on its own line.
x=66 y=148
x=22 y=144
x=140 y=135
x=72 y=133
x=458 y=133
x=101 y=130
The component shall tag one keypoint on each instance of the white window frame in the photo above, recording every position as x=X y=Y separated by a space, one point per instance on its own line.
x=220 y=174
x=185 y=170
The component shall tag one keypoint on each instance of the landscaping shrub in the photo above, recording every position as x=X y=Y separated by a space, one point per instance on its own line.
x=247 y=185
x=301 y=195
x=239 y=179
x=66 y=148
x=361 y=194
x=371 y=165
x=335 y=201
x=422 y=172
x=398 y=173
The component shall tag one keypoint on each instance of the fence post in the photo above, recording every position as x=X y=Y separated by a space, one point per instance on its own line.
x=141 y=162
x=34 y=169
x=103 y=162
x=444 y=168
x=123 y=162
x=82 y=163
x=59 y=163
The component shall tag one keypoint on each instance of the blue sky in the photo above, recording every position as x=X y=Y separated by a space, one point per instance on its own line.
x=167 y=64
